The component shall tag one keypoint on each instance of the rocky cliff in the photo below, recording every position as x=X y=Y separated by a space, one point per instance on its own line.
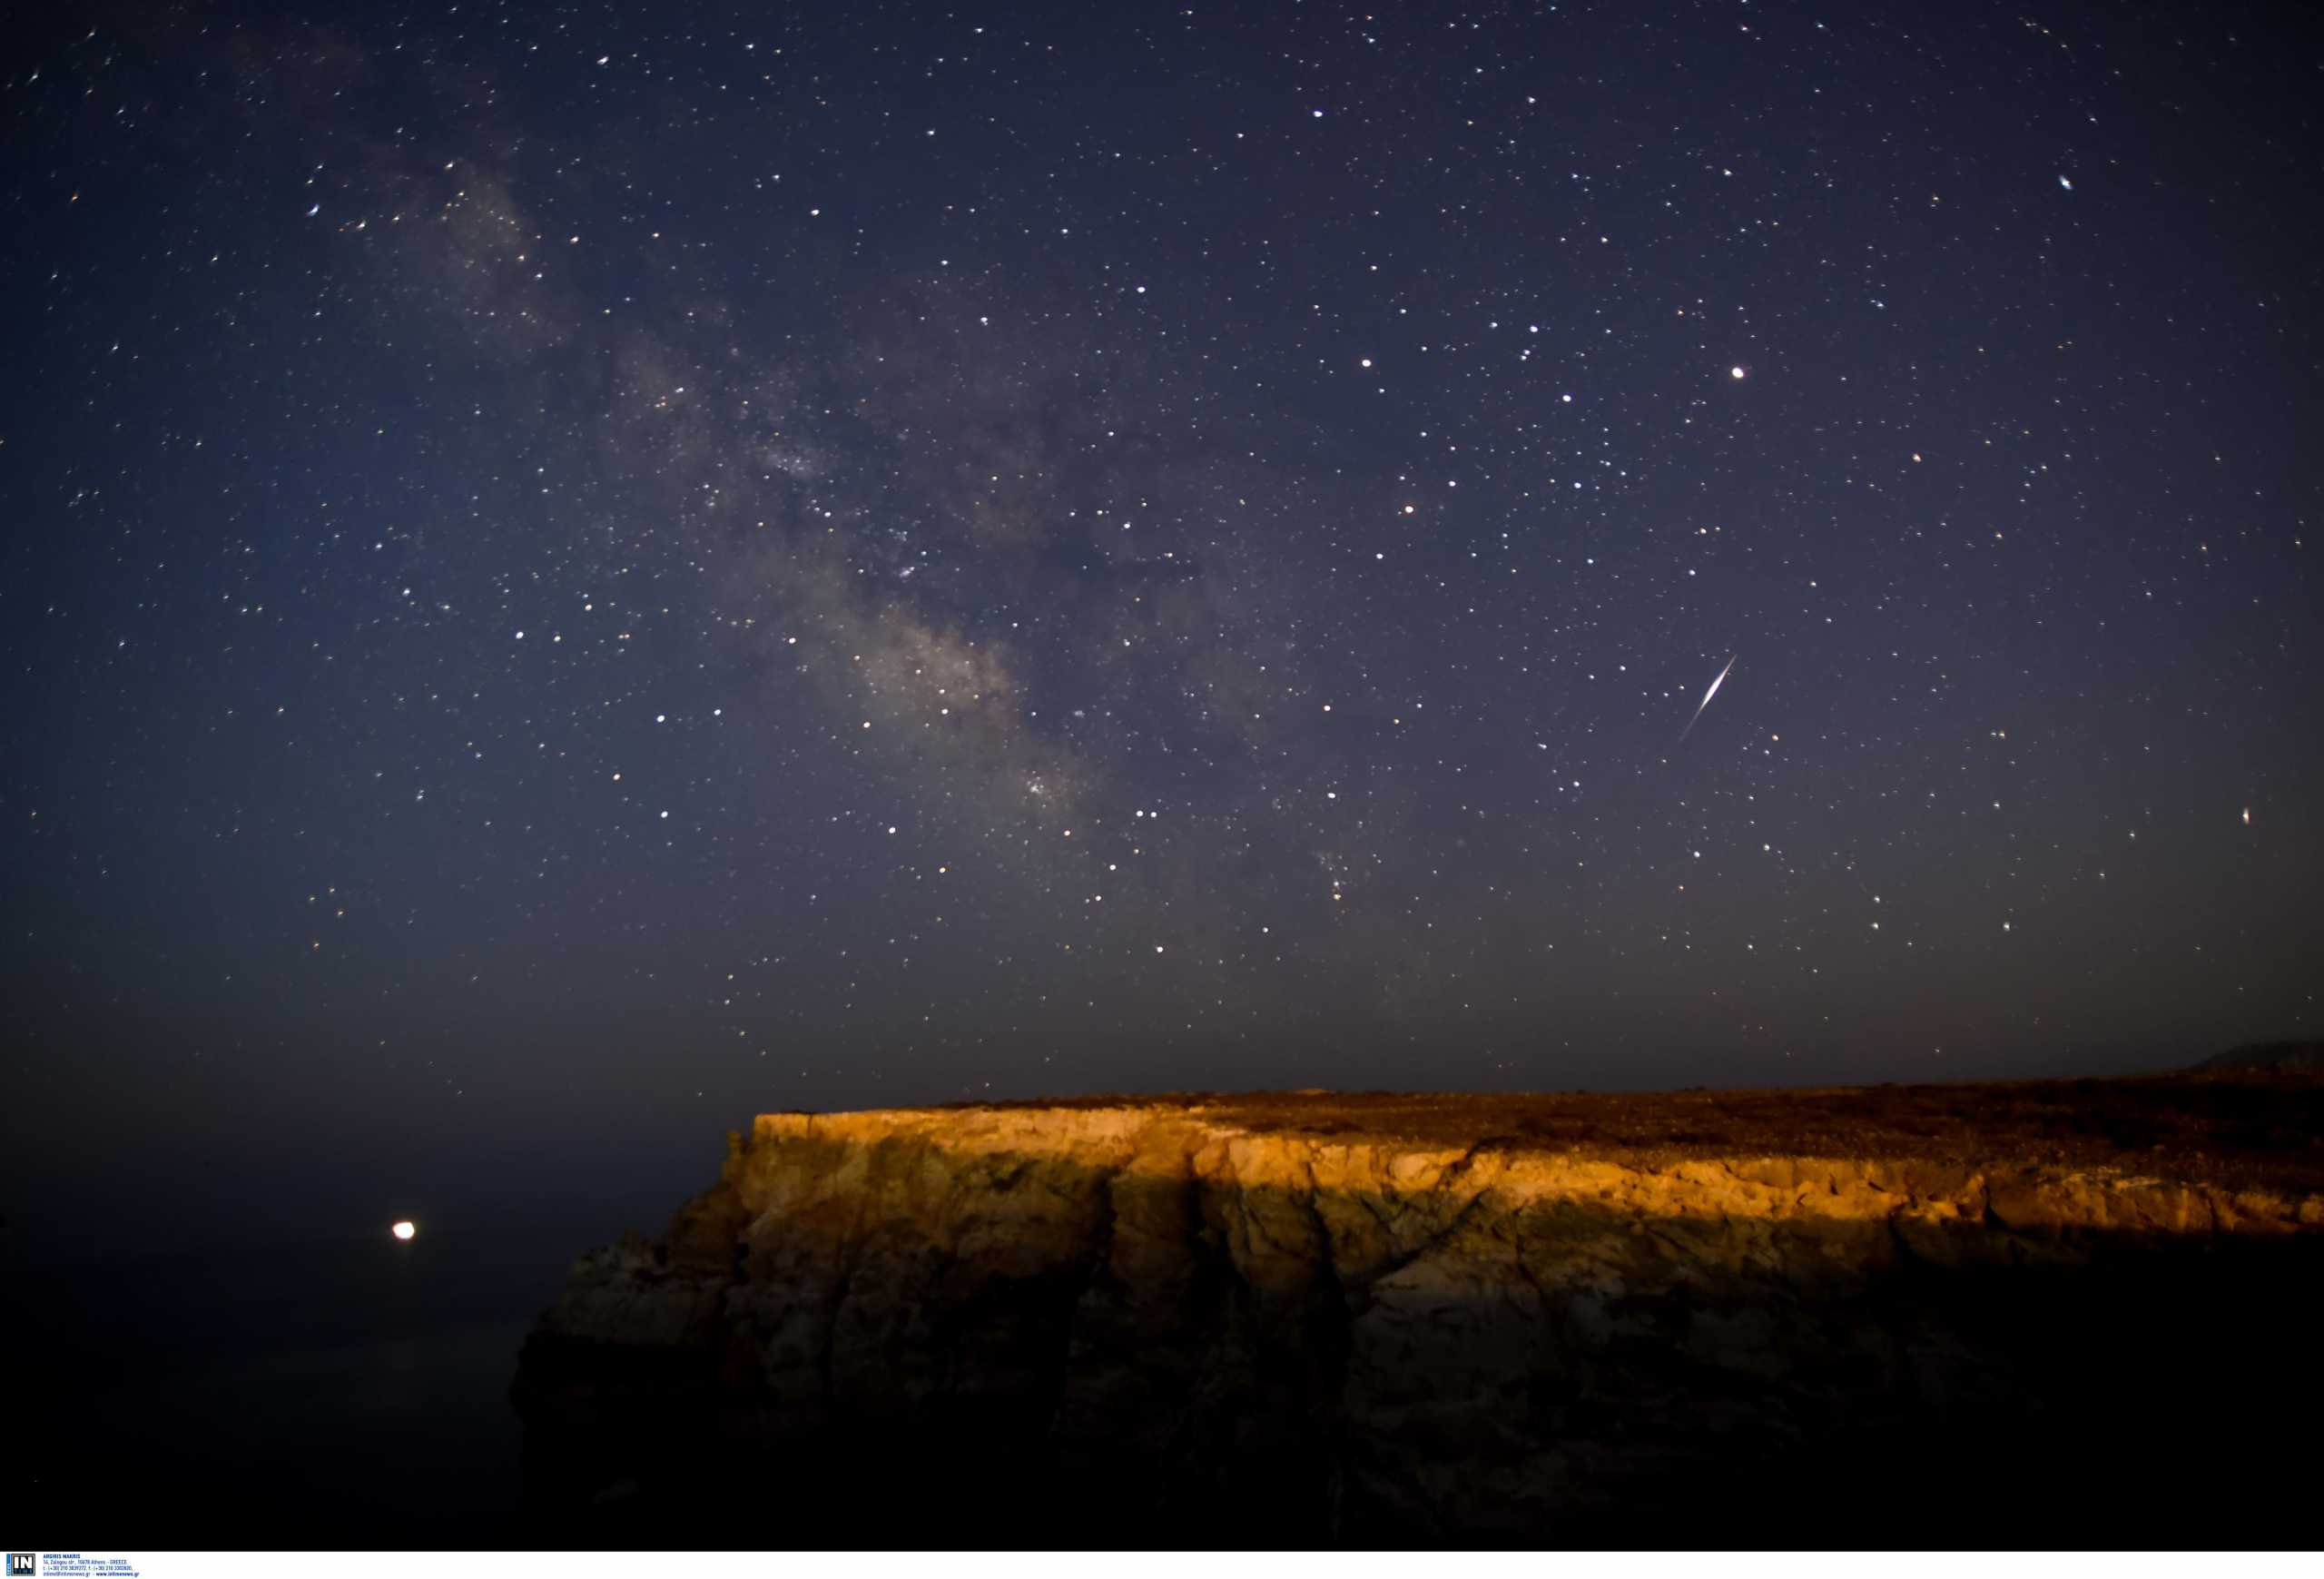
x=1324 y=1317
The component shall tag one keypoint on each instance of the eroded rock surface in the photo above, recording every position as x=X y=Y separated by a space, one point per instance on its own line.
x=1309 y=1318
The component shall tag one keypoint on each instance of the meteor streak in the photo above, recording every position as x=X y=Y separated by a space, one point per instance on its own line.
x=1706 y=696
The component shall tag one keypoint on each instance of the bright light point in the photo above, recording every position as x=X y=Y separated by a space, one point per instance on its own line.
x=2247 y=816
x=1367 y=361
x=1735 y=372
x=403 y=1231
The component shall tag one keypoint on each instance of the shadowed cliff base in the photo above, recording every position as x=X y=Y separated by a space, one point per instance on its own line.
x=2059 y=1312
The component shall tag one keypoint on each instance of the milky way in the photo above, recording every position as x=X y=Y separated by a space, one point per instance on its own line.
x=635 y=570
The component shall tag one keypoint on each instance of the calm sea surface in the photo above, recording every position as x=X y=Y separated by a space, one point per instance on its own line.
x=338 y=1394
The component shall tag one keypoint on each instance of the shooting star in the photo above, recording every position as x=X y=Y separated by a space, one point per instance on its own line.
x=1706 y=696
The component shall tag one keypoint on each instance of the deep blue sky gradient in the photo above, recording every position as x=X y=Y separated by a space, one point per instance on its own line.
x=571 y=575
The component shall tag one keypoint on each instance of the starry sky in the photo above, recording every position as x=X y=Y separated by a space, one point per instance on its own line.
x=574 y=573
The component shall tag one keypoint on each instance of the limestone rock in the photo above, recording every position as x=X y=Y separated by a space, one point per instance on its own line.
x=1422 y=1318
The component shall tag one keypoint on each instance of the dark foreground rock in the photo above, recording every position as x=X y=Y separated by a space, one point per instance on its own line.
x=2074 y=1313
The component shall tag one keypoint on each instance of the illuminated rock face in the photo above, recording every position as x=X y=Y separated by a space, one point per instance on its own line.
x=1304 y=1318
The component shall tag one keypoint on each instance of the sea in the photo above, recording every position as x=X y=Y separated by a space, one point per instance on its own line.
x=335 y=1393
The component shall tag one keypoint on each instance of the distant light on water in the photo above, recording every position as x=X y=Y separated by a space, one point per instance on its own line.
x=403 y=1231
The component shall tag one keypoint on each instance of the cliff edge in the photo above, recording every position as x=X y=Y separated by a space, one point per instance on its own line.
x=1565 y=1319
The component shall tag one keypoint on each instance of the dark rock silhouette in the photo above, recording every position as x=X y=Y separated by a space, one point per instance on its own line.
x=2290 y=1058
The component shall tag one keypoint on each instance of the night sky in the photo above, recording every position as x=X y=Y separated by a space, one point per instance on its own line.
x=573 y=574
